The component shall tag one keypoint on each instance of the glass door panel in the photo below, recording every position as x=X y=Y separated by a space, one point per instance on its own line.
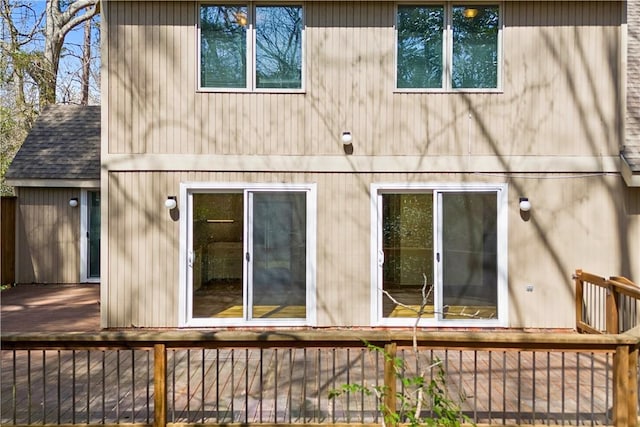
x=407 y=241
x=278 y=243
x=469 y=255
x=217 y=248
x=93 y=234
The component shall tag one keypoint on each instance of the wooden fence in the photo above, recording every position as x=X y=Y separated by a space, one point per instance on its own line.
x=7 y=239
x=285 y=376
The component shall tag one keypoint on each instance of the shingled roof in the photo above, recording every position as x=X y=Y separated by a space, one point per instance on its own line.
x=63 y=144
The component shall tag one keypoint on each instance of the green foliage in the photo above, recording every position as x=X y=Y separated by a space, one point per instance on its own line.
x=416 y=397
x=13 y=130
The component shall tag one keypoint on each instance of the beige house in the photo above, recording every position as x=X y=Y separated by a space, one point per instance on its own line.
x=346 y=163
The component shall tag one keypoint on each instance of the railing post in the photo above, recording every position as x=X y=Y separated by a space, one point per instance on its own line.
x=579 y=299
x=390 y=377
x=612 y=310
x=160 y=385
x=632 y=396
x=625 y=387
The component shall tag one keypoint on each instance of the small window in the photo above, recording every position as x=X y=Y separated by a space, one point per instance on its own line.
x=250 y=47
x=448 y=46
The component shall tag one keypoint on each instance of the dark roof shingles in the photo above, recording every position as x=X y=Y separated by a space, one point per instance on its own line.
x=631 y=154
x=64 y=143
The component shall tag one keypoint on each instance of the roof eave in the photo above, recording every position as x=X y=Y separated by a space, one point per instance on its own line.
x=54 y=183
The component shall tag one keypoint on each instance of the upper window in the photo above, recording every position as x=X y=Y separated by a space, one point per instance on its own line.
x=448 y=46
x=250 y=47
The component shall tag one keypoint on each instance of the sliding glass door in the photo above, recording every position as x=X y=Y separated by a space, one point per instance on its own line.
x=440 y=254
x=249 y=259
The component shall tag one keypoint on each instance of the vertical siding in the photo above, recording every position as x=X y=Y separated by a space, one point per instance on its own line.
x=561 y=87
x=575 y=223
x=48 y=236
x=143 y=268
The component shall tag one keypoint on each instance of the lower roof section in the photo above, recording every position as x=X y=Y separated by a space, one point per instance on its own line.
x=630 y=165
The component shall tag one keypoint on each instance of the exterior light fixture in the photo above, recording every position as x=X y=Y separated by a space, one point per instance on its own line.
x=73 y=202
x=171 y=202
x=346 y=138
x=470 y=12
x=525 y=204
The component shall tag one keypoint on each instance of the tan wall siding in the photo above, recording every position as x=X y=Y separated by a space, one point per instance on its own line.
x=561 y=88
x=48 y=236
x=591 y=223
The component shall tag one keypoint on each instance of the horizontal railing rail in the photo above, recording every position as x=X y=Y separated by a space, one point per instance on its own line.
x=605 y=306
x=285 y=377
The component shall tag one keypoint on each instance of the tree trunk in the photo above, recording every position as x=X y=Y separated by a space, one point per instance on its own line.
x=57 y=25
x=86 y=62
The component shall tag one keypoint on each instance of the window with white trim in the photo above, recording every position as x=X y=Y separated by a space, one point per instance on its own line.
x=250 y=47
x=448 y=46
x=439 y=253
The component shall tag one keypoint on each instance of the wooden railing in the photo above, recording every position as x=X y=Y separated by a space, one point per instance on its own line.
x=606 y=306
x=284 y=377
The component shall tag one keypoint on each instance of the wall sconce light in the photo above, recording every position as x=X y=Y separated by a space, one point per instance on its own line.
x=470 y=12
x=525 y=204
x=171 y=202
x=73 y=202
x=346 y=138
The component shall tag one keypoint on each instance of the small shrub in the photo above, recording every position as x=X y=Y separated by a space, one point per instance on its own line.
x=416 y=394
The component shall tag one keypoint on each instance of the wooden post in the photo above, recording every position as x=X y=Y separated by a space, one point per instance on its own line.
x=579 y=299
x=632 y=395
x=160 y=385
x=390 y=380
x=612 y=310
x=621 y=387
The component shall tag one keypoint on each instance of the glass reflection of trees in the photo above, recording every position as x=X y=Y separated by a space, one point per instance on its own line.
x=278 y=46
x=420 y=38
x=475 y=48
x=223 y=46
x=472 y=59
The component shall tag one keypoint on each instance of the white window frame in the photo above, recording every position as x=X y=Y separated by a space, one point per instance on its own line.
x=377 y=258
x=84 y=243
x=447 y=49
x=251 y=51
x=187 y=189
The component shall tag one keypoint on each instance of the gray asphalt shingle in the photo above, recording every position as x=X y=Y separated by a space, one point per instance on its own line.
x=631 y=154
x=64 y=143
